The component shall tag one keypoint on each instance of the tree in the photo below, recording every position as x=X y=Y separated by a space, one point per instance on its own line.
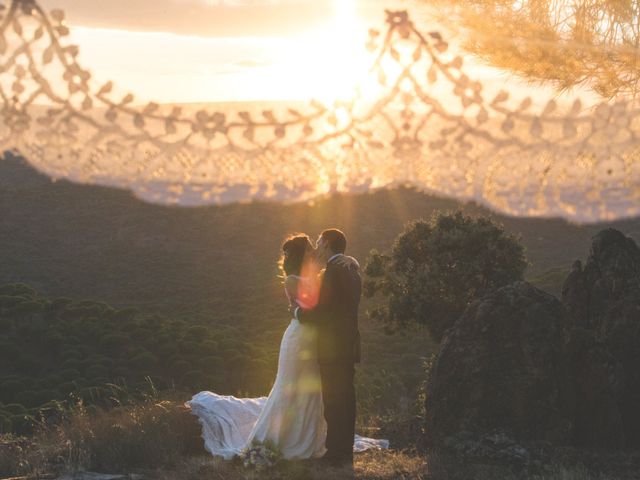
x=594 y=43
x=437 y=268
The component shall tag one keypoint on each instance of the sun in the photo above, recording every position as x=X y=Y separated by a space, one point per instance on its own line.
x=327 y=63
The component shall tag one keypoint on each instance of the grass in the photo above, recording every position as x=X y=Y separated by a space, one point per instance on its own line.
x=160 y=440
x=153 y=433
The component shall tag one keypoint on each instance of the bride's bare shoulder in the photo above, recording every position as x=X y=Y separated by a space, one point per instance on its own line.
x=291 y=283
x=291 y=280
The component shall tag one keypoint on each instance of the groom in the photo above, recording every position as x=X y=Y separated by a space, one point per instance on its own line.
x=336 y=318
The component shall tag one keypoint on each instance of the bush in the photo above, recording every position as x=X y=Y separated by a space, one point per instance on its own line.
x=114 y=342
x=437 y=268
x=17 y=289
x=96 y=371
x=180 y=366
x=144 y=362
x=22 y=424
x=5 y=424
x=194 y=379
x=149 y=435
x=30 y=398
x=15 y=409
x=198 y=332
x=10 y=388
x=69 y=375
x=9 y=301
x=70 y=364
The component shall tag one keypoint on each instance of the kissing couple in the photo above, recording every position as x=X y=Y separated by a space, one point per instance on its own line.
x=311 y=409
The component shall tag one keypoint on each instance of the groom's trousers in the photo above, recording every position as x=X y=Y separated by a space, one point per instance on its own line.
x=339 y=399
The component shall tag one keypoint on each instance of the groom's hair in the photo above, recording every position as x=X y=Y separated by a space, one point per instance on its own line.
x=335 y=239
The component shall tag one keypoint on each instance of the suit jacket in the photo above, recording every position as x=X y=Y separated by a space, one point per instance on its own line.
x=336 y=315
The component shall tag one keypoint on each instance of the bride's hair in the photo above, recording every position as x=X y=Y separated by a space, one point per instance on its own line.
x=294 y=250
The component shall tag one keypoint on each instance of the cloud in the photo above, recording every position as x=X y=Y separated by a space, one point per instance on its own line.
x=216 y=18
x=252 y=63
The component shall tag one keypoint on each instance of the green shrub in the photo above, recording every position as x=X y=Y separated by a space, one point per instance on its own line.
x=15 y=409
x=114 y=342
x=28 y=364
x=67 y=387
x=92 y=395
x=5 y=424
x=71 y=352
x=18 y=289
x=71 y=364
x=9 y=301
x=9 y=388
x=69 y=374
x=197 y=332
x=211 y=362
x=436 y=268
x=144 y=362
x=95 y=371
x=35 y=398
x=166 y=350
x=23 y=423
x=180 y=366
x=25 y=308
x=194 y=379
x=121 y=372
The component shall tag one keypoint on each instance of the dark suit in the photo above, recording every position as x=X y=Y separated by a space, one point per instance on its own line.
x=336 y=319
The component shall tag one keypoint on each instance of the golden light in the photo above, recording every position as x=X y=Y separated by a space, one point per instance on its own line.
x=309 y=291
x=327 y=63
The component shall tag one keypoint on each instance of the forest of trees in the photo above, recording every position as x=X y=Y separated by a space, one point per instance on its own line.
x=57 y=352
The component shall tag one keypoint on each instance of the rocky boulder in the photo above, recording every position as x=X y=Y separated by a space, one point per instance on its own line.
x=603 y=298
x=596 y=380
x=501 y=371
x=521 y=370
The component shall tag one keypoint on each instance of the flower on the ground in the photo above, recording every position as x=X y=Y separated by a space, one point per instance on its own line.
x=260 y=456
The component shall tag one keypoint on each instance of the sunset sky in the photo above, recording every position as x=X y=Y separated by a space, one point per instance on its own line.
x=187 y=51
x=222 y=50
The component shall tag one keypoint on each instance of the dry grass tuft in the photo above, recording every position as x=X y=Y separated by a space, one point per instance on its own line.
x=155 y=433
x=152 y=434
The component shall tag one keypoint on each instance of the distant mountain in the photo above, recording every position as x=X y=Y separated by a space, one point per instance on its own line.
x=100 y=243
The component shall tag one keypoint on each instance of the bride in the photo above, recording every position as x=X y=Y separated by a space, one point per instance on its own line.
x=291 y=417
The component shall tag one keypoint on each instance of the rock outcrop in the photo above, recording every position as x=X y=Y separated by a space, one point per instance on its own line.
x=501 y=371
x=603 y=298
x=595 y=384
x=522 y=368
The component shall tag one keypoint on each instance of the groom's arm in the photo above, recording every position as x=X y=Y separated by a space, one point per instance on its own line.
x=325 y=304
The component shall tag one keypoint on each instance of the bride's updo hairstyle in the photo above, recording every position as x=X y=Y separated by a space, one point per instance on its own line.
x=294 y=250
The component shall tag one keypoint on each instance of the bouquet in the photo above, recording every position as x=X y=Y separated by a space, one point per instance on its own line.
x=260 y=456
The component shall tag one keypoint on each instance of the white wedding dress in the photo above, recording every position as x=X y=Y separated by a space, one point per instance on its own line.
x=291 y=417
